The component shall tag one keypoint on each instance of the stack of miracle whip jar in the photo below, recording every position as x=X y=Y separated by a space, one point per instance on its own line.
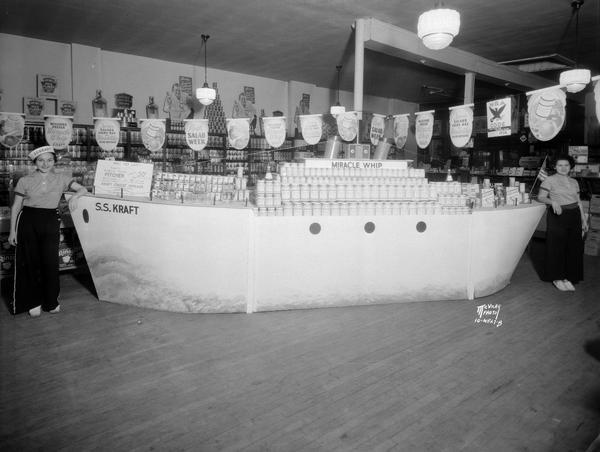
x=297 y=190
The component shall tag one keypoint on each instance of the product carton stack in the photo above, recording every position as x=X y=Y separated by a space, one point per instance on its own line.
x=592 y=242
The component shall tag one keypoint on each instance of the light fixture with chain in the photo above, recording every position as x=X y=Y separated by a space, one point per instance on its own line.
x=205 y=95
x=338 y=109
x=575 y=79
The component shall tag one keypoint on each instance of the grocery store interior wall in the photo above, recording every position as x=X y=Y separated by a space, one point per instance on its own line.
x=83 y=69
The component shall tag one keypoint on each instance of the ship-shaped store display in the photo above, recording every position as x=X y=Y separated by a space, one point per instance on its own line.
x=321 y=233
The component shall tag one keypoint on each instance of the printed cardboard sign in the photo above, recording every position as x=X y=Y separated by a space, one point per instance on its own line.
x=312 y=128
x=12 y=127
x=67 y=107
x=424 y=128
x=546 y=113
x=347 y=125
x=58 y=131
x=400 y=130
x=33 y=107
x=107 y=132
x=114 y=176
x=238 y=132
x=461 y=125
x=377 y=128
x=499 y=117
x=274 y=127
x=153 y=134
x=196 y=133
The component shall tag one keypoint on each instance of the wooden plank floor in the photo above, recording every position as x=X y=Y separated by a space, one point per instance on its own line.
x=403 y=377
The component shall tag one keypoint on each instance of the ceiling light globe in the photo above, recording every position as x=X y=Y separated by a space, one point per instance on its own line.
x=206 y=95
x=575 y=80
x=438 y=27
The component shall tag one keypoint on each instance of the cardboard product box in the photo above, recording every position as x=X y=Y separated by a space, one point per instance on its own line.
x=6 y=264
x=595 y=204
x=594 y=222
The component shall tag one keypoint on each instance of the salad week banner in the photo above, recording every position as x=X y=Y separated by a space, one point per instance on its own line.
x=196 y=133
x=377 y=128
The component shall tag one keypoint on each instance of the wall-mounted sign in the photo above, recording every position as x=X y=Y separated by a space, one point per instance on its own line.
x=107 y=132
x=377 y=128
x=47 y=86
x=400 y=130
x=275 y=129
x=238 y=132
x=312 y=128
x=499 y=117
x=461 y=125
x=424 y=128
x=116 y=177
x=58 y=131
x=153 y=134
x=123 y=100
x=12 y=126
x=196 y=133
x=33 y=107
x=546 y=113
x=67 y=107
x=347 y=125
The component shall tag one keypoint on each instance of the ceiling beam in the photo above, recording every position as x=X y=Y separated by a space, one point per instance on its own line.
x=391 y=40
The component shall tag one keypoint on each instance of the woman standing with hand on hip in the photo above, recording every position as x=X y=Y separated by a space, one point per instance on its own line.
x=566 y=224
x=35 y=231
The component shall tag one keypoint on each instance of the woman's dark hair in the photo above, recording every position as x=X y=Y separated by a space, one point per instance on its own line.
x=566 y=157
x=53 y=155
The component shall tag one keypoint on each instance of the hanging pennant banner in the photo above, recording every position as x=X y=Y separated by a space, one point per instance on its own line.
x=400 y=130
x=461 y=124
x=238 y=131
x=546 y=113
x=274 y=127
x=424 y=128
x=153 y=133
x=347 y=125
x=312 y=128
x=499 y=117
x=597 y=98
x=107 y=132
x=12 y=127
x=58 y=131
x=377 y=128
x=196 y=133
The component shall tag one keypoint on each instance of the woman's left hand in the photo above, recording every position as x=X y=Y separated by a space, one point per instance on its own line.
x=585 y=226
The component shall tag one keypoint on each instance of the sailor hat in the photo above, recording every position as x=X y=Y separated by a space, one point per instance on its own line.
x=39 y=151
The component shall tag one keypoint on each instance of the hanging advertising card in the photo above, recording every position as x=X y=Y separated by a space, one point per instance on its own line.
x=274 y=127
x=499 y=117
x=67 y=107
x=312 y=128
x=347 y=125
x=400 y=130
x=107 y=132
x=424 y=128
x=377 y=128
x=33 y=107
x=58 y=131
x=546 y=113
x=196 y=133
x=238 y=132
x=47 y=86
x=12 y=126
x=116 y=177
x=153 y=134
x=461 y=125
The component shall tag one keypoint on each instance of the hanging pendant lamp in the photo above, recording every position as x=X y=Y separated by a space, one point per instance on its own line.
x=338 y=109
x=205 y=95
x=438 y=27
x=575 y=79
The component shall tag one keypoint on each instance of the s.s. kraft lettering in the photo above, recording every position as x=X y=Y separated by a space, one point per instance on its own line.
x=116 y=208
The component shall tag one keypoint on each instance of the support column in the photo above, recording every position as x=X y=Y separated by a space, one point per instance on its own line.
x=359 y=64
x=469 y=88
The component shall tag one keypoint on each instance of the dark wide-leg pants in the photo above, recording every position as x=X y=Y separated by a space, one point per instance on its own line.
x=36 y=260
x=564 y=246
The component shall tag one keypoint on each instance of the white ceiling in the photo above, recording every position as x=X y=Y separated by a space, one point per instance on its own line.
x=304 y=40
